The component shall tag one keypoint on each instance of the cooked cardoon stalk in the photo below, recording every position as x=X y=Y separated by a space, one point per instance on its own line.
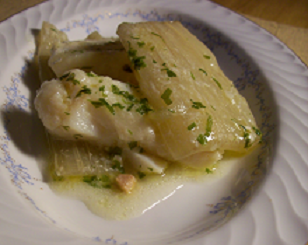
x=49 y=38
x=197 y=108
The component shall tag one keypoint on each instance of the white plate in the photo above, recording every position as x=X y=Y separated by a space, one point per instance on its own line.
x=267 y=73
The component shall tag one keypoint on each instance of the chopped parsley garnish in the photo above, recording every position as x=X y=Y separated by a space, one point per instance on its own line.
x=207 y=57
x=247 y=139
x=218 y=84
x=66 y=127
x=98 y=182
x=197 y=105
x=213 y=108
x=135 y=37
x=67 y=113
x=118 y=105
x=144 y=107
x=141 y=44
x=115 y=89
x=166 y=96
x=125 y=94
x=170 y=73
x=151 y=169
x=137 y=61
x=117 y=165
x=70 y=77
x=155 y=34
x=130 y=132
x=202 y=139
x=132 y=144
x=258 y=132
x=77 y=136
x=172 y=111
x=102 y=102
x=192 y=126
x=141 y=175
x=102 y=89
x=208 y=171
x=203 y=71
x=246 y=134
x=152 y=48
x=192 y=75
x=209 y=124
x=130 y=107
x=84 y=90
x=100 y=81
x=154 y=61
x=53 y=29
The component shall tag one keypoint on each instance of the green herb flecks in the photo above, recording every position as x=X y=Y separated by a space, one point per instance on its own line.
x=213 y=108
x=144 y=107
x=259 y=133
x=151 y=169
x=53 y=29
x=130 y=107
x=209 y=124
x=70 y=77
x=137 y=61
x=207 y=57
x=218 y=84
x=208 y=171
x=67 y=113
x=135 y=37
x=84 y=90
x=203 y=71
x=132 y=144
x=98 y=182
x=100 y=81
x=118 y=105
x=202 y=139
x=170 y=73
x=155 y=34
x=77 y=136
x=166 y=96
x=152 y=48
x=246 y=134
x=192 y=75
x=66 y=127
x=125 y=94
x=197 y=105
x=192 y=126
x=172 y=111
x=130 y=132
x=91 y=74
x=154 y=61
x=102 y=102
x=118 y=166
x=141 y=44
x=141 y=175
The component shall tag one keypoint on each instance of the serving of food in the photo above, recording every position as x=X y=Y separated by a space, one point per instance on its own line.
x=171 y=105
x=159 y=127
